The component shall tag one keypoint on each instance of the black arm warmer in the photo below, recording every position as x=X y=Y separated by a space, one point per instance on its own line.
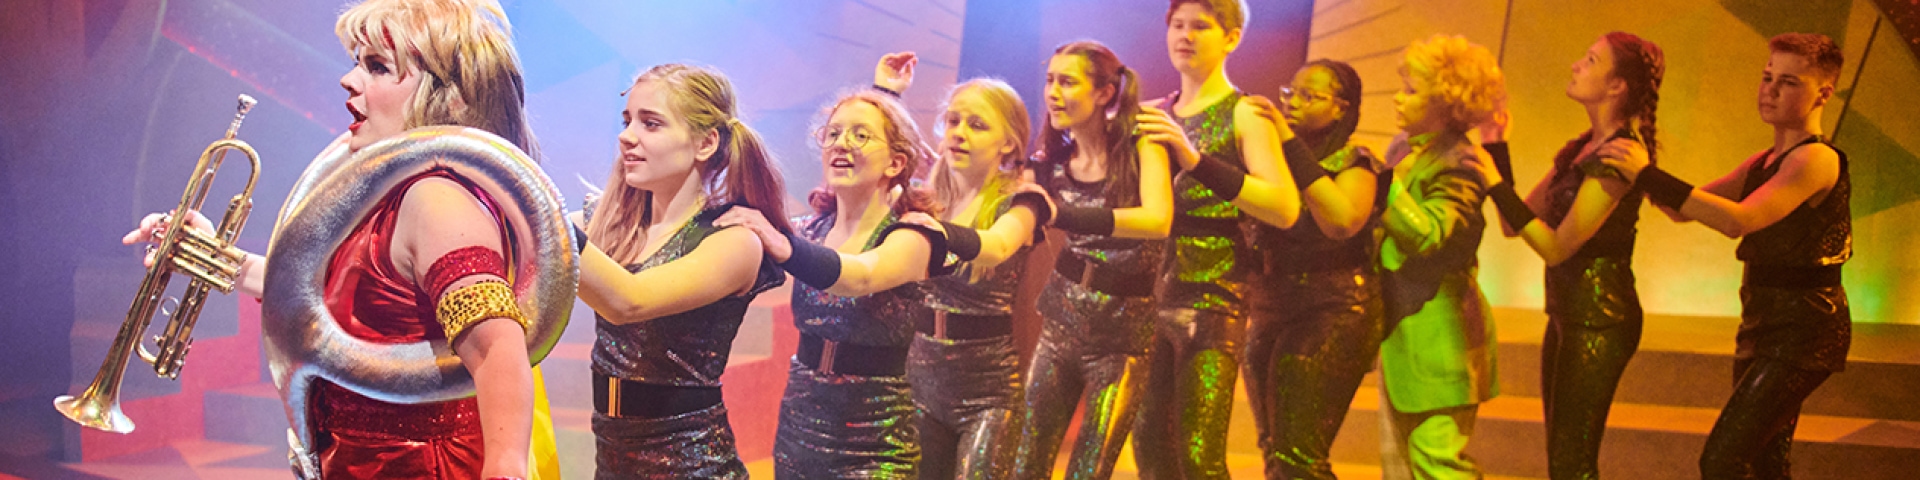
x=1042 y=212
x=1511 y=207
x=1085 y=220
x=812 y=263
x=1502 y=161
x=1663 y=189
x=1224 y=180
x=937 y=253
x=963 y=241
x=1301 y=163
x=579 y=238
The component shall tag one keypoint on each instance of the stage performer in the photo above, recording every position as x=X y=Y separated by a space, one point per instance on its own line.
x=429 y=259
x=669 y=288
x=1206 y=278
x=1437 y=362
x=1789 y=205
x=965 y=362
x=1114 y=201
x=848 y=410
x=1585 y=234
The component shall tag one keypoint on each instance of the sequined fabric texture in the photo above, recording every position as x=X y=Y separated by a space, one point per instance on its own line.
x=844 y=426
x=1810 y=235
x=1208 y=267
x=687 y=349
x=1754 y=433
x=966 y=391
x=1808 y=328
x=1593 y=329
x=1090 y=343
x=1616 y=234
x=1312 y=337
x=882 y=319
x=697 y=444
x=1116 y=257
x=367 y=438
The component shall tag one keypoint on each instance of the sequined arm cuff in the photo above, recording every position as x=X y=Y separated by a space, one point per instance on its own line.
x=470 y=305
x=459 y=264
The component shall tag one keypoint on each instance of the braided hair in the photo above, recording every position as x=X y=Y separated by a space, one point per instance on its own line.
x=1642 y=65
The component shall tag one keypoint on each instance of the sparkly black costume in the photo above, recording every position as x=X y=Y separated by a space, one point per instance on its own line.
x=1315 y=328
x=1795 y=326
x=965 y=371
x=854 y=418
x=680 y=355
x=1593 y=319
x=1182 y=429
x=1098 y=312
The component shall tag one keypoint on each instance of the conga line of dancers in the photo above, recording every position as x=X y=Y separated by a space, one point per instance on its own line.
x=1206 y=236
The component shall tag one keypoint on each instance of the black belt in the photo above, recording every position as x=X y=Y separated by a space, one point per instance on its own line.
x=958 y=326
x=1300 y=261
x=618 y=397
x=830 y=357
x=1792 y=277
x=1080 y=271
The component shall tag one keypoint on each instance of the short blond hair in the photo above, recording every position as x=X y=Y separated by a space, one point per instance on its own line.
x=465 y=51
x=1467 y=84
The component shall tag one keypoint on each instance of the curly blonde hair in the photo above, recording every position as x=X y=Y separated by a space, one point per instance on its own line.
x=464 y=49
x=1466 y=82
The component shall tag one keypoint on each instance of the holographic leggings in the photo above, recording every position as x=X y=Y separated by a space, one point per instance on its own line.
x=1182 y=428
x=1755 y=430
x=697 y=444
x=845 y=426
x=1090 y=343
x=1593 y=329
x=1312 y=337
x=966 y=391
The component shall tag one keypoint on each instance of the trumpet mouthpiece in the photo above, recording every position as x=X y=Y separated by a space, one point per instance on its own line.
x=246 y=103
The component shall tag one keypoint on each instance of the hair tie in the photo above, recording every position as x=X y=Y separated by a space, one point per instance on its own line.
x=733 y=123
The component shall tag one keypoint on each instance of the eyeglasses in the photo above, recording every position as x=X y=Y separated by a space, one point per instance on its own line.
x=1303 y=95
x=856 y=137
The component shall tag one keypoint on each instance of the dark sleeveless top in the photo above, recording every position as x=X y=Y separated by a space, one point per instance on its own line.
x=1210 y=264
x=1615 y=236
x=1304 y=248
x=1810 y=236
x=883 y=319
x=993 y=293
x=686 y=349
x=1115 y=256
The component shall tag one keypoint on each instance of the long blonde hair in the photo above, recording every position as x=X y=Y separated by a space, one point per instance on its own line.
x=740 y=171
x=464 y=50
x=1012 y=113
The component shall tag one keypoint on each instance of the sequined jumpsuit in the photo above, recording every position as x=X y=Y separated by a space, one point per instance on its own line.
x=1182 y=429
x=1314 y=331
x=1795 y=327
x=1593 y=320
x=1098 y=311
x=965 y=371
x=685 y=351
x=843 y=425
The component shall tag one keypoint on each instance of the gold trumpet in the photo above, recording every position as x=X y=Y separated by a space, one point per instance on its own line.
x=207 y=257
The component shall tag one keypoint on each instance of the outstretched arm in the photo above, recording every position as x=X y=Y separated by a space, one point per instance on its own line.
x=900 y=258
x=725 y=264
x=1592 y=204
x=1804 y=173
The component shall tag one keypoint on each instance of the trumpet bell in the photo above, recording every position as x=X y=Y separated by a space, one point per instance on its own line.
x=89 y=411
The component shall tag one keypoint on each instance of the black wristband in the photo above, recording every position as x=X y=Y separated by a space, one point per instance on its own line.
x=886 y=90
x=812 y=263
x=1224 y=180
x=936 y=243
x=1511 y=207
x=1502 y=159
x=1301 y=164
x=1663 y=189
x=1085 y=220
x=579 y=238
x=963 y=241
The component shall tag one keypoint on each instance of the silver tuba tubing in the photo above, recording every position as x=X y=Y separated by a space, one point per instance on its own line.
x=302 y=340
